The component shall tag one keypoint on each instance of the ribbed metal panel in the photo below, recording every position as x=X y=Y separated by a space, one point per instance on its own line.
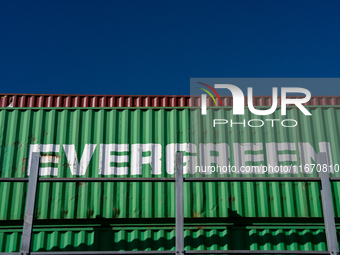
x=20 y=100
x=20 y=128
x=37 y=100
x=163 y=238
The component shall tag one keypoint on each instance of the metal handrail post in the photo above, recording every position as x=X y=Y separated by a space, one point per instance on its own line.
x=179 y=204
x=30 y=205
x=327 y=206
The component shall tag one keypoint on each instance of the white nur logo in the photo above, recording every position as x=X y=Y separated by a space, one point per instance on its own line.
x=238 y=100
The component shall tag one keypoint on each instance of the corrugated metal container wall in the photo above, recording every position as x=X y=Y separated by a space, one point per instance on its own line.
x=22 y=129
x=40 y=100
x=163 y=238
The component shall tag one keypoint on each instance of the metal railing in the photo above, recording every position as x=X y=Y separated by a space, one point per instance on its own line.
x=33 y=181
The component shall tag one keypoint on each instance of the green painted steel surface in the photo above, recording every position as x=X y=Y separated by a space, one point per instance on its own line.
x=21 y=128
x=163 y=238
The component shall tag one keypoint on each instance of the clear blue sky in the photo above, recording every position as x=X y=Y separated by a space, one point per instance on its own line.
x=155 y=47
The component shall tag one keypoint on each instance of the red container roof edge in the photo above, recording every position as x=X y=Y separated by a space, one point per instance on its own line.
x=44 y=100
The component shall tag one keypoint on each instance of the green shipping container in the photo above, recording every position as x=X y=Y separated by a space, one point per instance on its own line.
x=142 y=142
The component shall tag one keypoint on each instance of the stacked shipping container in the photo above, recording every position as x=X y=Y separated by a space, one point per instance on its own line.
x=140 y=216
